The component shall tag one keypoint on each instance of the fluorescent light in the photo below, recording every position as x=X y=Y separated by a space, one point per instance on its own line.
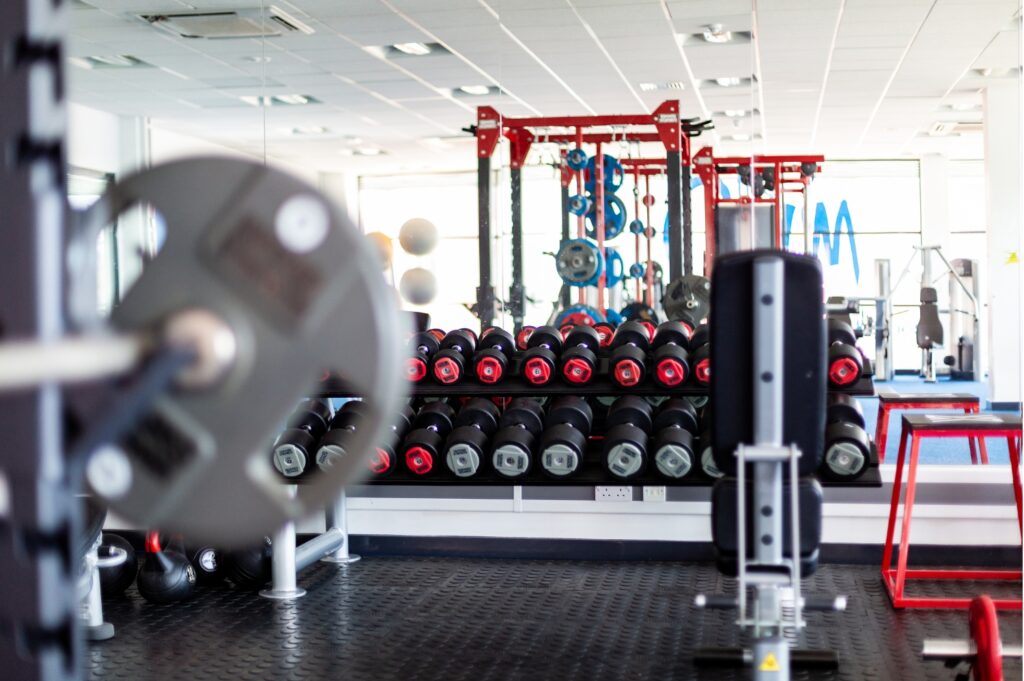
x=308 y=130
x=964 y=106
x=277 y=100
x=730 y=81
x=414 y=49
x=368 y=151
x=716 y=33
x=736 y=113
x=741 y=137
x=648 y=87
x=476 y=90
x=292 y=99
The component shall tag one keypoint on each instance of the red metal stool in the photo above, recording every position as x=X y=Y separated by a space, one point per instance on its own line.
x=916 y=427
x=889 y=401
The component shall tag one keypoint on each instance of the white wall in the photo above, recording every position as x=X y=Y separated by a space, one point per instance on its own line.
x=93 y=139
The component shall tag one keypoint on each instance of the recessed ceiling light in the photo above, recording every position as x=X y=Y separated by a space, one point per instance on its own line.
x=729 y=81
x=475 y=90
x=308 y=130
x=369 y=151
x=279 y=100
x=110 y=61
x=670 y=85
x=735 y=113
x=413 y=49
x=257 y=59
x=741 y=137
x=716 y=33
x=964 y=106
x=293 y=99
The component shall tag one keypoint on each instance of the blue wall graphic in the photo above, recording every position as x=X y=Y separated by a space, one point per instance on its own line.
x=831 y=238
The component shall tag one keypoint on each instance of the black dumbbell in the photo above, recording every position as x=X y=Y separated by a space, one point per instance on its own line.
x=424 y=346
x=457 y=348
x=845 y=363
x=628 y=362
x=671 y=358
x=605 y=331
x=165 y=576
x=707 y=457
x=490 y=362
x=466 y=447
x=564 y=440
x=339 y=432
x=523 y=337
x=384 y=459
x=625 y=440
x=675 y=426
x=579 y=354
x=250 y=568
x=513 y=444
x=295 y=447
x=700 y=357
x=847 y=445
x=541 y=355
x=422 y=447
x=114 y=580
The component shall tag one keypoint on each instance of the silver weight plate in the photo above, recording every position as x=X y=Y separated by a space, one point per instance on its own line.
x=301 y=291
x=578 y=262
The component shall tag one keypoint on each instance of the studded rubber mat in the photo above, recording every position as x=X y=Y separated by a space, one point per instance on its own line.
x=419 y=619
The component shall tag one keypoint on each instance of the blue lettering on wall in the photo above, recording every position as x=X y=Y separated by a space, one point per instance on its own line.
x=831 y=238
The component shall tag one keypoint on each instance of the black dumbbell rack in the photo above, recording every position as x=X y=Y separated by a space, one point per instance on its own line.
x=593 y=472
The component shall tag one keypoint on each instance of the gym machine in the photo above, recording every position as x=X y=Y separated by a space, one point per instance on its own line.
x=668 y=128
x=768 y=424
x=879 y=326
x=256 y=264
x=753 y=221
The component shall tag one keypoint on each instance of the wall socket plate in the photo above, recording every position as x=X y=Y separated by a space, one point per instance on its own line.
x=655 y=492
x=613 y=493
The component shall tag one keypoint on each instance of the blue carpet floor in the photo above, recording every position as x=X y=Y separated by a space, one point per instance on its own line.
x=933 y=451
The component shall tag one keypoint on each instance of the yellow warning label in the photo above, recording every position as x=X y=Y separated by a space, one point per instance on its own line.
x=769 y=664
x=1013 y=258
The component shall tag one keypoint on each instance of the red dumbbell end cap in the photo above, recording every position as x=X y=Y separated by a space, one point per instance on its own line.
x=416 y=369
x=379 y=462
x=446 y=370
x=577 y=371
x=419 y=460
x=627 y=373
x=670 y=373
x=537 y=371
x=702 y=372
x=489 y=370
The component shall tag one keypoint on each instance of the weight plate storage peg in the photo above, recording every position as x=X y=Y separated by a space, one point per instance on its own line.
x=491 y=359
x=579 y=358
x=541 y=355
x=625 y=440
x=466 y=447
x=614 y=218
x=628 y=362
x=260 y=263
x=579 y=204
x=579 y=262
x=576 y=158
x=613 y=173
x=513 y=444
x=564 y=440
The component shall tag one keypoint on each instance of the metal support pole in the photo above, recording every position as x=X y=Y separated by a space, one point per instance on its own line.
x=516 y=293
x=337 y=519
x=40 y=638
x=883 y=323
x=808 y=221
x=687 y=220
x=92 y=605
x=485 y=291
x=564 y=295
x=673 y=171
x=284 y=571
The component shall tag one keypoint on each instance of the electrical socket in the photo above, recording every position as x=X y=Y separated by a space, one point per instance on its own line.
x=655 y=492
x=613 y=493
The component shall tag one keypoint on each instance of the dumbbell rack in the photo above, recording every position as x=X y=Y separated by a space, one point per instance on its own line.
x=592 y=472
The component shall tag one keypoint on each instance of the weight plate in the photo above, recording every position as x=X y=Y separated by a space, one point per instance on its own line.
x=272 y=260
x=688 y=297
x=614 y=217
x=576 y=158
x=579 y=262
x=613 y=174
x=640 y=312
x=578 y=315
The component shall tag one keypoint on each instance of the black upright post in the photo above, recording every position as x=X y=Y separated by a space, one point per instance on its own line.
x=675 y=234
x=565 y=295
x=485 y=291
x=516 y=291
x=39 y=633
x=687 y=221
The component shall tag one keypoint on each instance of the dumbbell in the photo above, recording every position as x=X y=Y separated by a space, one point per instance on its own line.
x=422 y=447
x=675 y=425
x=541 y=355
x=115 y=579
x=384 y=460
x=671 y=358
x=700 y=358
x=424 y=346
x=491 y=359
x=625 y=440
x=579 y=358
x=296 y=445
x=165 y=576
x=466 y=446
x=449 y=363
x=513 y=444
x=334 y=443
x=707 y=456
x=605 y=331
x=845 y=363
x=629 y=353
x=564 y=440
x=847 y=445
x=523 y=336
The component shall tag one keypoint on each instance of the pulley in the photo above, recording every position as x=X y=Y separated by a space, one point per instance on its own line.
x=688 y=297
x=269 y=286
x=614 y=217
x=614 y=175
x=579 y=262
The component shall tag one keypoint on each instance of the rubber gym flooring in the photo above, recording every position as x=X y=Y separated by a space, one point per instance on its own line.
x=418 y=619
